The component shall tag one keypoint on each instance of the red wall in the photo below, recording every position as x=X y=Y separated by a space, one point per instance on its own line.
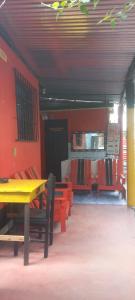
x=27 y=153
x=83 y=120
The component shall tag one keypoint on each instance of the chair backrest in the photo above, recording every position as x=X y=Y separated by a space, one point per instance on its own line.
x=16 y=176
x=34 y=172
x=64 y=190
x=29 y=173
x=81 y=171
x=23 y=175
x=61 y=185
x=108 y=172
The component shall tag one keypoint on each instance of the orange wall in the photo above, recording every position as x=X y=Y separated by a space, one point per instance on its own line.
x=27 y=153
x=83 y=120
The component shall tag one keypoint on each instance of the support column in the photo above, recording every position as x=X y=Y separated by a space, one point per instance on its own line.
x=130 y=95
x=120 y=122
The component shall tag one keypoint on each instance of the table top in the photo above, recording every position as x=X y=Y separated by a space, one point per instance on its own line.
x=21 y=185
x=21 y=190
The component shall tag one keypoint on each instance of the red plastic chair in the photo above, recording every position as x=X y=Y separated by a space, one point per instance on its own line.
x=112 y=180
x=73 y=177
x=61 y=207
x=62 y=186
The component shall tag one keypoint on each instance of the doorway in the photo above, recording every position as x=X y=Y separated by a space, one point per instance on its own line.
x=56 y=145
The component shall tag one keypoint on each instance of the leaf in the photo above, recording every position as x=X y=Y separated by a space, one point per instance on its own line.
x=55 y=5
x=85 y=1
x=126 y=7
x=73 y=3
x=63 y=3
x=113 y=22
x=95 y=3
x=123 y=16
x=84 y=9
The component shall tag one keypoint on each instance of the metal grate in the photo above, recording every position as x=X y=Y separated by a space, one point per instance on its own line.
x=26 y=109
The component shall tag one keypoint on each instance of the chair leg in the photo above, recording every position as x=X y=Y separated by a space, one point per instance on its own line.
x=51 y=224
x=51 y=238
x=63 y=217
x=69 y=212
x=63 y=225
x=16 y=249
x=46 y=241
x=51 y=233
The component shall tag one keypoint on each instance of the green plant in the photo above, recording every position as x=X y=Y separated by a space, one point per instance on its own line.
x=112 y=16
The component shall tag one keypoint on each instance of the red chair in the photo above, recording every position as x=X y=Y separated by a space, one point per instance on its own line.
x=33 y=173
x=80 y=174
x=61 y=207
x=68 y=186
x=109 y=177
x=62 y=203
x=62 y=185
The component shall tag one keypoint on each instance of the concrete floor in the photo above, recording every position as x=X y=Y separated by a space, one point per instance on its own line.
x=94 y=260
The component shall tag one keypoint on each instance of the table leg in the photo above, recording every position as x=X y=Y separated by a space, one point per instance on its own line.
x=16 y=243
x=26 y=233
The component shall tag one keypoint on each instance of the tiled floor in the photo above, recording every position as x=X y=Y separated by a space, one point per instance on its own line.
x=102 y=197
x=93 y=260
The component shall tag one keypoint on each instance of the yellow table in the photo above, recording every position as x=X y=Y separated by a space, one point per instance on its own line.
x=21 y=191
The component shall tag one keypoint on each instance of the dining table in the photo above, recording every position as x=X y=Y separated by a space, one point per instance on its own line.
x=21 y=191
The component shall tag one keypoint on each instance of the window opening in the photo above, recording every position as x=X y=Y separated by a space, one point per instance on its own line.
x=26 y=109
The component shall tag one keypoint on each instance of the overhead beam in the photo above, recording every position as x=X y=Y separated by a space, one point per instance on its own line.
x=72 y=106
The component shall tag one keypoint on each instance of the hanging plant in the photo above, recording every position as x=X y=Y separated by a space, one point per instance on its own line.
x=112 y=16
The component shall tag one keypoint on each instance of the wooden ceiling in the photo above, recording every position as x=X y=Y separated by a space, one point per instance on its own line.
x=74 y=57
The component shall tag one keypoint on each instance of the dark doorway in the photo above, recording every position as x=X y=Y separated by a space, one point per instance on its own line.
x=56 y=146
